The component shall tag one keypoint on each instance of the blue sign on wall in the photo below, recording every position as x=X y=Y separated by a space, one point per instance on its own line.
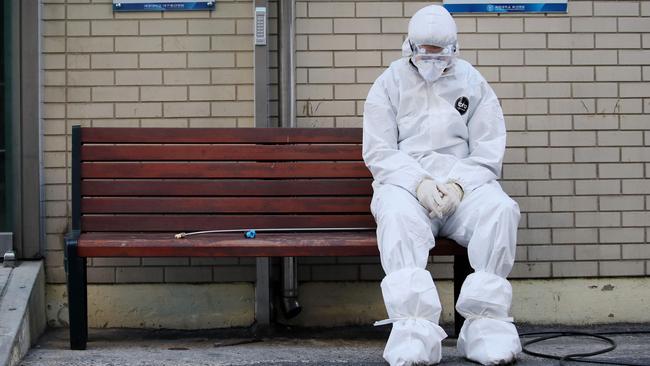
x=163 y=5
x=506 y=6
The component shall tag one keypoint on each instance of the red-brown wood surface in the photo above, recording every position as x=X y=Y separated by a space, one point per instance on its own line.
x=265 y=244
x=225 y=170
x=221 y=135
x=208 y=187
x=226 y=205
x=220 y=152
x=144 y=223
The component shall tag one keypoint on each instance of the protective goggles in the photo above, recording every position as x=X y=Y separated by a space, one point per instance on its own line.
x=422 y=53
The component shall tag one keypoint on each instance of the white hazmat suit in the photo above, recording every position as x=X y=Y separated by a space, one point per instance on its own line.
x=447 y=130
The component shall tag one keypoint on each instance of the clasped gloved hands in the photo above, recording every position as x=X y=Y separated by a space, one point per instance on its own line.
x=441 y=199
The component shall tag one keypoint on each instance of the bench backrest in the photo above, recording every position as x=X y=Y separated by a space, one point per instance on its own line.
x=174 y=179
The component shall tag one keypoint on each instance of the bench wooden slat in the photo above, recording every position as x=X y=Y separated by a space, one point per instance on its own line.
x=258 y=187
x=222 y=135
x=265 y=244
x=225 y=170
x=145 y=223
x=226 y=205
x=220 y=152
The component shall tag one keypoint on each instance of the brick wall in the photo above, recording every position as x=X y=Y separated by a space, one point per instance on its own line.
x=575 y=89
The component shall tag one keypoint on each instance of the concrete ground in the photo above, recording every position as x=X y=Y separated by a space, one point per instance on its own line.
x=350 y=346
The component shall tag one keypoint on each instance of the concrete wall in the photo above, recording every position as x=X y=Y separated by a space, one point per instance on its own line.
x=575 y=89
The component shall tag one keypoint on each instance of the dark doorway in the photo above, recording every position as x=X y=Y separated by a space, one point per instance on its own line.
x=4 y=30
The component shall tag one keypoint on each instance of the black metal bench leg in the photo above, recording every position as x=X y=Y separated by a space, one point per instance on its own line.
x=77 y=296
x=462 y=269
x=262 y=326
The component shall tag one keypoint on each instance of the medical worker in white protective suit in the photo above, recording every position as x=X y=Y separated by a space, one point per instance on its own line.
x=434 y=139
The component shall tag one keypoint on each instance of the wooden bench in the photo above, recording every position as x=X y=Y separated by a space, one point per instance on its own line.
x=134 y=188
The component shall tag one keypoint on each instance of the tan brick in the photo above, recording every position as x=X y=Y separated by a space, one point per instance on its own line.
x=622 y=268
x=186 y=77
x=53 y=62
x=99 y=11
x=571 y=171
x=618 y=40
x=314 y=59
x=326 y=108
x=53 y=44
x=523 y=73
x=52 y=11
x=235 y=76
x=575 y=269
x=548 y=90
x=635 y=154
x=522 y=41
x=331 y=10
x=379 y=9
x=514 y=155
x=593 y=24
x=636 y=218
x=571 y=106
x=188 y=274
x=89 y=44
x=634 y=89
x=328 y=76
x=313 y=26
x=114 y=94
x=618 y=170
x=331 y=42
x=139 y=274
x=598 y=187
x=357 y=58
x=195 y=43
x=634 y=57
x=633 y=24
x=138 y=110
x=388 y=25
x=616 y=8
x=78 y=28
x=245 y=26
x=524 y=106
x=166 y=60
x=546 y=25
x=554 y=187
x=500 y=25
x=357 y=25
x=234 y=109
x=572 y=73
x=114 y=61
x=211 y=59
x=355 y=91
x=636 y=251
x=550 y=252
x=501 y=58
x=621 y=203
x=598 y=57
x=549 y=155
x=508 y=90
x=138 y=77
x=526 y=171
x=138 y=44
x=549 y=122
x=186 y=109
x=224 y=92
x=554 y=219
x=54 y=28
x=481 y=41
x=617 y=105
x=534 y=204
x=595 y=122
x=635 y=186
x=594 y=90
x=571 y=40
x=90 y=78
x=598 y=219
x=634 y=122
x=314 y=91
x=596 y=154
x=527 y=139
x=78 y=94
x=163 y=27
x=163 y=93
x=379 y=42
x=211 y=26
x=114 y=27
x=89 y=110
x=596 y=252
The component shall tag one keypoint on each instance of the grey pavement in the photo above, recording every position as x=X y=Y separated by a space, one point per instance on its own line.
x=350 y=346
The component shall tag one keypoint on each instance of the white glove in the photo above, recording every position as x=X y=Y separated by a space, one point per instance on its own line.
x=452 y=193
x=430 y=197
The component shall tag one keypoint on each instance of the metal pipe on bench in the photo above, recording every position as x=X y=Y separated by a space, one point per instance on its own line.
x=287 y=11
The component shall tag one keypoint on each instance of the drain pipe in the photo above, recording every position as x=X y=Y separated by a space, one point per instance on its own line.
x=287 y=11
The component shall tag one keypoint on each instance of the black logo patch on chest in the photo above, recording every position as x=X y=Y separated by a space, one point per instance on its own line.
x=462 y=105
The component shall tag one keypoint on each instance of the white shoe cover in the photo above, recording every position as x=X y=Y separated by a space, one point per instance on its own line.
x=488 y=335
x=413 y=307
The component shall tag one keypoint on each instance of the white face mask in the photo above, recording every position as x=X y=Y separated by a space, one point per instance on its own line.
x=431 y=70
